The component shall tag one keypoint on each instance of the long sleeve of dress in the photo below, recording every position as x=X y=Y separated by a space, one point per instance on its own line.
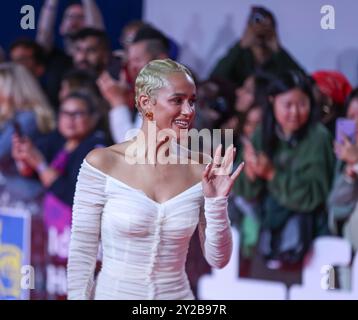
x=215 y=232
x=88 y=204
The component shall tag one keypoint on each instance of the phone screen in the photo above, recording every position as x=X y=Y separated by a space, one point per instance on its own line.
x=345 y=128
x=17 y=129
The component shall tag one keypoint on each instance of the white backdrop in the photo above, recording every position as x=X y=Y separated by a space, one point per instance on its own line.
x=205 y=29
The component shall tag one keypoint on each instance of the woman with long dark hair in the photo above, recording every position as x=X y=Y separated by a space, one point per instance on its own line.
x=288 y=171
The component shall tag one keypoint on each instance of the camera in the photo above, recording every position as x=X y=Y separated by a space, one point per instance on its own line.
x=257 y=17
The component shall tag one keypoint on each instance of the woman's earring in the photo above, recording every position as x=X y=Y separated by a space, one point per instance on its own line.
x=149 y=115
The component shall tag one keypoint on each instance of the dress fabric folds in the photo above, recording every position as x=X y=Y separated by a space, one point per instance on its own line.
x=144 y=243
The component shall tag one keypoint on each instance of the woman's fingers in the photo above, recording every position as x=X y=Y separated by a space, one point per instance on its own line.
x=251 y=159
x=346 y=143
x=105 y=80
x=237 y=171
x=338 y=149
x=217 y=155
x=17 y=143
x=249 y=151
x=105 y=77
x=216 y=163
x=123 y=78
x=16 y=139
x=227 y=160
x=27 y=146
x=224 y=160
x=225 y=167
x=207 y=171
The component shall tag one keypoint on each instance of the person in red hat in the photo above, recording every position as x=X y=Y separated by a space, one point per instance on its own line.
x=331 y=90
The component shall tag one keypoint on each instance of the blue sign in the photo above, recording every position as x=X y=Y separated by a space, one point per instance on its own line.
x=15 y=237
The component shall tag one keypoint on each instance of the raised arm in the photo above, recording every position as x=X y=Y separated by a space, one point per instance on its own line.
x=46 y=27
x=215 y=232
x=93 y=16
x=214 y=224
x=86 y=224
x=116 y=94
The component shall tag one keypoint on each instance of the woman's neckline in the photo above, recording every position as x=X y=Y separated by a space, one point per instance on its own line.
x=118 y=181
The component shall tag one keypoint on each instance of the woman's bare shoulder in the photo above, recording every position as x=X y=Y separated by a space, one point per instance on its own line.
x=99 y=158
x=104 y=158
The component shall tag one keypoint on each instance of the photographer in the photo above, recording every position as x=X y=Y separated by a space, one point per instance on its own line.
x=258 y=49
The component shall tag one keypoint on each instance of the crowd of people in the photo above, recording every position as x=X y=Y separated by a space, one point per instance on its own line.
x=58 y=104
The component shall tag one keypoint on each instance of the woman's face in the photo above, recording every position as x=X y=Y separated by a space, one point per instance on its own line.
x=352 y=113
x=75 y=121
x=245 y=95
x=174 y=105
x=291 y=110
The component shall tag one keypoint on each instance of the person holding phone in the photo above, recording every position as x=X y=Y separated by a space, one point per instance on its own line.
x=343 y=198
x=344 y=194
x=345 y=146
x=259 y=48
x=23 y=110
x=56 y=159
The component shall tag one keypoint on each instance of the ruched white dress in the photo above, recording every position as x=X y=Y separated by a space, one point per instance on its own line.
x=144 y=242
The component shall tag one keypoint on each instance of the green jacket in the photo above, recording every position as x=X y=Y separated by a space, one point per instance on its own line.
x=303 y=173
x=239 y=63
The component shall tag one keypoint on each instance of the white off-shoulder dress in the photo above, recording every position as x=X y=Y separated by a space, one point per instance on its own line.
x=144 y=243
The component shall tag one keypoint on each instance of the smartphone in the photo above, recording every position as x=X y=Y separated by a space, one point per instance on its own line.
x=345 y=128
x=17 y=129
x=256 y=16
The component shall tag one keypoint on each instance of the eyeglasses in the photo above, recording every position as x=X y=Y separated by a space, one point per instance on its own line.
x=73 y=115
x=73 y=16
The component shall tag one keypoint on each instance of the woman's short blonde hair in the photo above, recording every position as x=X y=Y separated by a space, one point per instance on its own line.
x=154 y=76
x=22 y=92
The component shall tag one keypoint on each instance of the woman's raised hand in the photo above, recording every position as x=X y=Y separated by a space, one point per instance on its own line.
x=217 y=178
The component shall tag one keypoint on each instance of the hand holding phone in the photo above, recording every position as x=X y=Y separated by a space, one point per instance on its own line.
x=345 y=128
x=17 y=129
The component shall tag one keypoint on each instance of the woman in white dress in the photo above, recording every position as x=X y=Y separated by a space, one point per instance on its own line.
x=145 y=212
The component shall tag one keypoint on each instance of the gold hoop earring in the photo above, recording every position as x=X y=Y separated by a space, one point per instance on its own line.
x=149 y=115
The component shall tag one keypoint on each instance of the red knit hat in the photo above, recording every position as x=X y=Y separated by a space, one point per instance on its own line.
x=334 y=84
